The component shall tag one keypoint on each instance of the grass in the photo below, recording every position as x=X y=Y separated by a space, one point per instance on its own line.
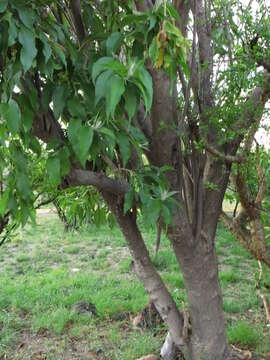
x=44 y=271
x=243 y=334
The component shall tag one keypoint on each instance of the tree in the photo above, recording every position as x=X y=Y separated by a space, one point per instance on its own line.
x=148 y=102
x=250 y=225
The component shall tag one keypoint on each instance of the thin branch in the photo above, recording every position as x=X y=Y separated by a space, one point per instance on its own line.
x=5 y=237
x=262 y=296
x=199 y=203
x=59 y=11
x=55 y=14
x=187 y=90
x=77 y=16
x=45 y=202
x=226 y=158
x=254 y=106
x=241 y=234
x=110 y=163
x=261 y=187
x=235 y=209
x=228 y=33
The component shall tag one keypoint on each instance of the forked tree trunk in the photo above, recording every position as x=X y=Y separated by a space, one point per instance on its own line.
x=146 y=271
x=207 y=340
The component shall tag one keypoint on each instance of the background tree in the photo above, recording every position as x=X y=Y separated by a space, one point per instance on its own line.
x=148 y=102
x=249 y=222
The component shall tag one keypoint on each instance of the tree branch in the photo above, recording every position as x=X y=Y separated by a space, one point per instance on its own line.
x=145 y=270
x=98 y=180
x=242 y=235
x=226 y=158
x=77 y=16
x=254 y=106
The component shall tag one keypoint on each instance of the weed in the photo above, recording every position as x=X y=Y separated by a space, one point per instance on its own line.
x=23 y=258
x=229 y=277
x=73 y=249
x=243 y=334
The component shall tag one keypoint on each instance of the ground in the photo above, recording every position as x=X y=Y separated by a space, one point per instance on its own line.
x=44 y=271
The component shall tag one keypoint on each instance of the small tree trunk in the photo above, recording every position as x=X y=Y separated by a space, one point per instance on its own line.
x=159 y=229
x=146 y=272
x=62 y=216
x=199 y=266
x=198 y=263
x=200 y=274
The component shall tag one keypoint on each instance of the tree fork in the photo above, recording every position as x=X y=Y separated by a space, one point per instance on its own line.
x=146 y=272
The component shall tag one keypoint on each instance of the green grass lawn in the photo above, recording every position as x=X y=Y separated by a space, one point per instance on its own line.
x=44 y=271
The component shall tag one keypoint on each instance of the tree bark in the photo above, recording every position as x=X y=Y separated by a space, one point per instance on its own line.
x=146 y=272
x=200 y=272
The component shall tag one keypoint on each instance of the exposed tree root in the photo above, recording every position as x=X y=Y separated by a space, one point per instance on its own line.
x=240 y=354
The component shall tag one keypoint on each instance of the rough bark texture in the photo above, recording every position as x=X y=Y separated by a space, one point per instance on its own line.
x=208 y=340
x=145 y=270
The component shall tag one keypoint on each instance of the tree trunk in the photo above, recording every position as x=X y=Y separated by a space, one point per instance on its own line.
x=146 y=271
x=200 y=272
x=199 y=266
x=198 y=262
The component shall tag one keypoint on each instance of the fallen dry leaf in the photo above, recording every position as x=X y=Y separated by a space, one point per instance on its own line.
x=149 y=357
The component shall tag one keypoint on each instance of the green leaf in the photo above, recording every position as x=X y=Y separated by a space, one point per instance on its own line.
x=28 y=51
x=107 y=132
x=76 y=108
x=27 y=16
x=101 y=86
x=12 y=203
x=3 y=202
x=35 y=146
x=53 y=168
x=59 y=97
x=153 y=211
x=134 y=18
x=12 y=115
x=47 y=51
x=12 y=33
x=113 y=42
x=64 y=159
x=115 y=90
x=60 y=53
x=131 y=101
x=27 y=112
x=4 y=30
x=173 y=12
x=27 y=118
x=129 y=199
x=145 y=80
x=166 y=215
x=125 y=148
x=23 y=186
x=100 y=66
x=18 y=157
x=153 y=50
x=81 y=138
x=3 y=5
x=85 y=139
x=153 y=21
x=108 y=63
x=24 y=213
